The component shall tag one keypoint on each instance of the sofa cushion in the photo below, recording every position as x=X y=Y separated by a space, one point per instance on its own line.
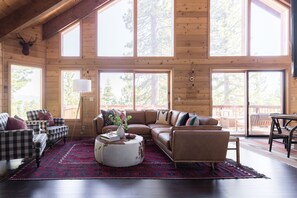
x=162 y=117
x=207 y=120
x=182 y=119
x=139 y=129
x=105 y=115
x=164 y=138
x=150 y=116
x=157 y=131
x=152 y=126
x=137 y=117
x=173 y=117
x=192 y=121
x=15 y=124
x=109 y=128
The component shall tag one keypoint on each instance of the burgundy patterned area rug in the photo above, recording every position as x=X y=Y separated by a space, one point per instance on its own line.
x=76 y=160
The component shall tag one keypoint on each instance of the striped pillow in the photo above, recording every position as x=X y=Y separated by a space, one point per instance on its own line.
x=193 y=121
x=162 y=117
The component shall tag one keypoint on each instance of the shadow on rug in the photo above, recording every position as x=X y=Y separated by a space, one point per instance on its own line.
x=76 y=160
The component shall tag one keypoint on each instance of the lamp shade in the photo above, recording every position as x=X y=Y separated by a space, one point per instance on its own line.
x=82 y=85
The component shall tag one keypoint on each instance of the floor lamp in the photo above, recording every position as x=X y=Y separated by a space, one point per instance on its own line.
x=81 y=86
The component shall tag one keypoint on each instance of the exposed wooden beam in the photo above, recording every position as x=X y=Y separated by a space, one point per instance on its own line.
x=23 y=15
x=71 y=16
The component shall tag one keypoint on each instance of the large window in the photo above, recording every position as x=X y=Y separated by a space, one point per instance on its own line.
x=154 y=28
x=115 y=29
x=254 y=27
x=69 y=98
x=134 y=90
x=227 y=28
x=70 y=41
x=25 y=89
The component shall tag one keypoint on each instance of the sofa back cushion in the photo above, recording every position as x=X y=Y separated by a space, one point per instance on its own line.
x=138 y=117
x=3 y=121
x=33 y=115
x=150 y=116
x=207 y=121
x=173 y=117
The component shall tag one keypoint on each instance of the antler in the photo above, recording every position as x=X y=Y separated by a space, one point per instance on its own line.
x=32 y=41
x=20 y=37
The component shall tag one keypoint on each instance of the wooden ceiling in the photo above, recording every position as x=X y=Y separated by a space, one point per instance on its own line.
x=19 y=14
x=53 y=15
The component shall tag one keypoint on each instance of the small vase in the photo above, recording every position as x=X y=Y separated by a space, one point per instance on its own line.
x=121 y=131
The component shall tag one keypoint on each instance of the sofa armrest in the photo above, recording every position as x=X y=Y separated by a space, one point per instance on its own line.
x=199 y=145
x=59 y=121
x=199 y=127
x=98 y=123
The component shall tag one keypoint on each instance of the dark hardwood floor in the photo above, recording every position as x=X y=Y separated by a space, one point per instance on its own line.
x=282 y=184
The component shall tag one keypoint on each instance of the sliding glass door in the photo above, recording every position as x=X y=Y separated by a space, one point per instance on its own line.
x=265 y=96
x=242 y=101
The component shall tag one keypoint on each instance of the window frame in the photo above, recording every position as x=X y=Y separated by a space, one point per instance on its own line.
x=166 y=71
x=247 y=29
x=22 y=64
x=80 y=41
x=61 y=91
x=135 y=37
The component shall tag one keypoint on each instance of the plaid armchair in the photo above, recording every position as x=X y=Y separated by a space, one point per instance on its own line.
x=54 y=133
x=22 y=143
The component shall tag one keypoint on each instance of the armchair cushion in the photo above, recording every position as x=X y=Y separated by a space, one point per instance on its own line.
x=14 y=124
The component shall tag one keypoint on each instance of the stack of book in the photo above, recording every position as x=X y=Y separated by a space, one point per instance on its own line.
x=110 y=137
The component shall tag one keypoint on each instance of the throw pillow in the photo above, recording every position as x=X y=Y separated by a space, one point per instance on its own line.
x=192 y=121
x=162 y=117
x=46 y=116
x=182 y=119
x=15 y=124
x=105 y=115
x=19 y=118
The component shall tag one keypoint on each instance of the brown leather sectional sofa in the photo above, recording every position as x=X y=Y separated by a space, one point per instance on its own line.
x=203 y=143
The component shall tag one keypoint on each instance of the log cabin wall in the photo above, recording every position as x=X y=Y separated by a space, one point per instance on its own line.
x=12 y=54
x=191 y=53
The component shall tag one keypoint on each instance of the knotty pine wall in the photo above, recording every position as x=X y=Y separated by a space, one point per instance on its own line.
x=191 y=54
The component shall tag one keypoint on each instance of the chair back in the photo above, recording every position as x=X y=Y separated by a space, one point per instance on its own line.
x=3 y=121
x=33 y=114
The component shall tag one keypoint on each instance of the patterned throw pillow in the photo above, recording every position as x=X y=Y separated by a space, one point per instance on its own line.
x=46 y=116
x=193 y=121
x=182 y=119
x=162 y=117
x=105 y=115
x=15 y=124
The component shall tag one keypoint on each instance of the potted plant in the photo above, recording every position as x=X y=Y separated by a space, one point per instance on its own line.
x=117 y=120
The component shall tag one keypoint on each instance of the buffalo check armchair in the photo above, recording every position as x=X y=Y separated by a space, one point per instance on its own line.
x=21 y=143
x=55 y=131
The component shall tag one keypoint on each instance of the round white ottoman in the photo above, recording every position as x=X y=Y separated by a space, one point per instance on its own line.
x=121 y=153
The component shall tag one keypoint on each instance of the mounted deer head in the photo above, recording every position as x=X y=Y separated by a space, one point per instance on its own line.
x=26 y=44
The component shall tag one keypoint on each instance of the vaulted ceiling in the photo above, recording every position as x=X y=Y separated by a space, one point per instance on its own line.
x=53 y=15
